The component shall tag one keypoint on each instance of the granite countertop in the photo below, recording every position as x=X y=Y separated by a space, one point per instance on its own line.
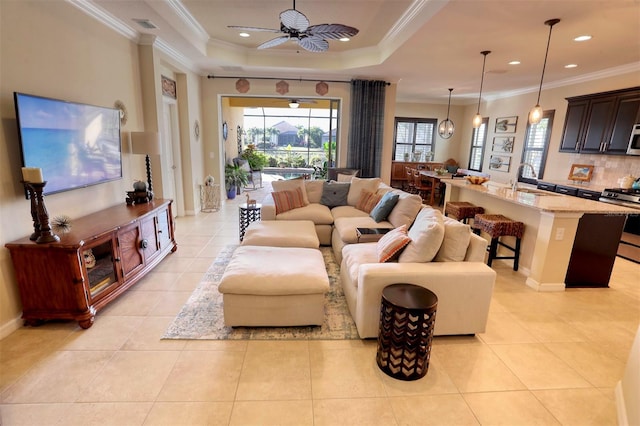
x=541 y=200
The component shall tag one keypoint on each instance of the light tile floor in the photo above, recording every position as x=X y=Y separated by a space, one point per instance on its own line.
x=546 y=358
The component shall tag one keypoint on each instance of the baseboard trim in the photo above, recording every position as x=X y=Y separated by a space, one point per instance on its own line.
x=10 y=327
x=544 y=287
x=621 y=407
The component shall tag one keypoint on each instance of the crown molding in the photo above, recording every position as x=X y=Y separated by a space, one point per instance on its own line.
x=188 y=18
x=105 y=18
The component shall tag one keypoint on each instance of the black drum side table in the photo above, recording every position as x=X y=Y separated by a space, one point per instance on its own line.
x=248 y=214
x=407 y=319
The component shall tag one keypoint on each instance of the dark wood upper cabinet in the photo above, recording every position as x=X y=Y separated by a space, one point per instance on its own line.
x=601 y=123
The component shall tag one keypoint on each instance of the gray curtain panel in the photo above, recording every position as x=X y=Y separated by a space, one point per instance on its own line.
x=367 y=125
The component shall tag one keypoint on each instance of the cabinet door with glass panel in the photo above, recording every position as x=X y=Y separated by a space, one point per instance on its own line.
x=100 y=261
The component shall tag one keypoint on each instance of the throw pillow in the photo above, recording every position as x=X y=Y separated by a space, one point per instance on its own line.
x=291 y=185
x=426 y=234
x=381 y=211
x=389 y=246
x=368 y=200
x=360 y=184
x=457 y=236
x=335 y=194
x=344 y=178
x=406 y=210
x=288 y=200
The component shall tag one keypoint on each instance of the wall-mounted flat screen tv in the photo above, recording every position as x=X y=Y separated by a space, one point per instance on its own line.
x=76 y=145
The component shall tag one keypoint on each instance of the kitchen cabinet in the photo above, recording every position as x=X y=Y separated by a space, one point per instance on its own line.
x=567 y=190
x=104 y=254
x=591 y=195
x=601 y=123
x=545 y=186
x=594 y=250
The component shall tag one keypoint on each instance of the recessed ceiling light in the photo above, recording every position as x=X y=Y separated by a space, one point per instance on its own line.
x=514 y=63
x=344 y=39
x=582 y=38
x=571 y=65
x=244 y=35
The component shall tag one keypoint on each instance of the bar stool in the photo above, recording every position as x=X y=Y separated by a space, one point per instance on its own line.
x=497 y=225
x=462 y=210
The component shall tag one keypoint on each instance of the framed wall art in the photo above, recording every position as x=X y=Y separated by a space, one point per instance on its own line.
x=506 y=124
x=581 y=172
x=500 y=163
x=503 y=144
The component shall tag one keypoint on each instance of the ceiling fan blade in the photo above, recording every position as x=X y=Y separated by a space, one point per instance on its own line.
x=313 y=44
x=332 y=31
x=268 y=30
x=274 y=42
x=293 y=19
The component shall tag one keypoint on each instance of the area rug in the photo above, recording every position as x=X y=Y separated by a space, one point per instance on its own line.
x=202 y=318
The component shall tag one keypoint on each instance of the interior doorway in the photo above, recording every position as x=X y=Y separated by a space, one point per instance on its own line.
x=171 y=158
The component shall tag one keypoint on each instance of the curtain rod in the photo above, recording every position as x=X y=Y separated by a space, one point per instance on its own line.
x=291 y=79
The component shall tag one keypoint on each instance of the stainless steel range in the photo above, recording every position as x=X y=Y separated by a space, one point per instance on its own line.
x=629 y=247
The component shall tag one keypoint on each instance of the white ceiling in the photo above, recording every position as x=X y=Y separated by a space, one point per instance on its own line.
x=426 y=46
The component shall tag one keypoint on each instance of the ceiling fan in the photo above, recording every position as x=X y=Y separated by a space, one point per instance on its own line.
x=295 y=26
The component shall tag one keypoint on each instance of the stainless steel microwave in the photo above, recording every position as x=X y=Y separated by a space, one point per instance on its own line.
x=634 y=141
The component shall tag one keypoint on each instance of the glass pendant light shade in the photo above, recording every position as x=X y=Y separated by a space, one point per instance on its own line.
x=535 y=115
x=477 y=120
x=446 y=127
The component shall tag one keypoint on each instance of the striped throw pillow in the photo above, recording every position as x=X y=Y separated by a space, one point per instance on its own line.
x=392 y=243
x=288 y=200
x=368 y=200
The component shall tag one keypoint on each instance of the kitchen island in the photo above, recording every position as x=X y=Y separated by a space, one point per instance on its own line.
x=551 y=226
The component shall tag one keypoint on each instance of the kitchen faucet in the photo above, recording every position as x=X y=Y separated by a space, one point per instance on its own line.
x=522 y=165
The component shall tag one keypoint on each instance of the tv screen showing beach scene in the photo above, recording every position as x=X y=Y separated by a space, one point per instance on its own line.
x=76 y=145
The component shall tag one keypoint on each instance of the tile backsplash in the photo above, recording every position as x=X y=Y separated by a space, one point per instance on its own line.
x=609 y=168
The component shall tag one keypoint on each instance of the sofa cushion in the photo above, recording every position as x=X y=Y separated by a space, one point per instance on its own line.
x=457 y=236
x=406 y=210
x=384 y=207
x=344 y=178
x=426 y=235
x=361 y=184
x=335 y=194
x=368 y=200
x=314 y=190
x=354 y=255
x=291 y=185
x=288 y=200
x=317 y=213
x=346 y=226
x=391 y=244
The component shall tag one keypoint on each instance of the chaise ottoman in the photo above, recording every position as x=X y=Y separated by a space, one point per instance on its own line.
x=274 y=286
x=282 y=233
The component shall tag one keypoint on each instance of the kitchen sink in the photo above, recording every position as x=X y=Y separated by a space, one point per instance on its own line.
x=537 y=192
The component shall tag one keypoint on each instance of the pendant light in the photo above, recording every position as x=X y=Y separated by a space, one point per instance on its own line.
x=535 y=115
x=477 y=120
x=446 y=127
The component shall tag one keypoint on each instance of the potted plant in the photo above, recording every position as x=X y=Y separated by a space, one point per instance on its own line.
x=234 y=178
x=256 y=159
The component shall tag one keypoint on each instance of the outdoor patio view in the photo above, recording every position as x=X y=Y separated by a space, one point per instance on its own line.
x=290 y=142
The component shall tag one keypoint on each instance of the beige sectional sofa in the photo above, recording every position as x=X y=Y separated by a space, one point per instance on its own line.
x=451 y=263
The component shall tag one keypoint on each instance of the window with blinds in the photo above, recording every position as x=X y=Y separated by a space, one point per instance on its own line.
x=536 y=145
x=414 y=135
x=478 y=140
